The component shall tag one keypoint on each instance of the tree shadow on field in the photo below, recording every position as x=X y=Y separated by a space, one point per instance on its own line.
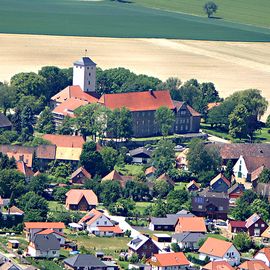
x=215 y=18
x=123 y=1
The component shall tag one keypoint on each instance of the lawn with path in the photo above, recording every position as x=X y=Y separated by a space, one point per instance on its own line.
x=115 y=19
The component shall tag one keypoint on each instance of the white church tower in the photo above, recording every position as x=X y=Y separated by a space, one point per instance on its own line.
x=84 y=74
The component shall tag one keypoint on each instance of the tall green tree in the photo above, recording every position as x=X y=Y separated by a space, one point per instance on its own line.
x=11 y=181
x=27 y=122
x=92 y=160
x=238 y=119
x=7 y=97
x=264 y=176
x=29 y=84
x=165 y=119
x=120 y=123
x=110 y=157
x=91 y=120
x=163 y=157
x=45 y=123
x=56 y=80
x=242 y=242
x=177 y=200
x=66 y=127
x=202 y=159
x=173 y=85
x=210 y=8
x=34 y=206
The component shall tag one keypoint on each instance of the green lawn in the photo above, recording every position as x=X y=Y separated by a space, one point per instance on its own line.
x=56 y=206
x=130 y=169
x=114 y=19
x=259 y=136
x=217 y=236
x=109 y=245
x=180 y=186
x=141 y=206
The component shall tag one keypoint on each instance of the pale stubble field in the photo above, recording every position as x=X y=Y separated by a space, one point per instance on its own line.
x=230 y=66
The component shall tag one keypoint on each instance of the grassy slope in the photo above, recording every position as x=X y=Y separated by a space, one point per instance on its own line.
x=242 y=11
x=111 y=19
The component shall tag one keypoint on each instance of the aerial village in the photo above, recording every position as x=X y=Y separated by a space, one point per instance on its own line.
x=108 y=180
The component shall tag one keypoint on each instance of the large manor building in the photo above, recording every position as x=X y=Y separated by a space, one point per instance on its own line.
x=142 y=105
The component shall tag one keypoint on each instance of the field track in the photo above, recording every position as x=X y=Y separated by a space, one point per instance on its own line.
x=231 y=66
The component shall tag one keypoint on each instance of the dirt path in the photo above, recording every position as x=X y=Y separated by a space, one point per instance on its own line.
x=230 y=65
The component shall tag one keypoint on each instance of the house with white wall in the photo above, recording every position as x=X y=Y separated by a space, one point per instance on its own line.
x=263 y=255
x=97 y=223
x=32 y=228
x=44 y=246
x=218 y=250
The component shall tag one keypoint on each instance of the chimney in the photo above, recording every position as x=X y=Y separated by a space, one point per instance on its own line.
x=151 y=91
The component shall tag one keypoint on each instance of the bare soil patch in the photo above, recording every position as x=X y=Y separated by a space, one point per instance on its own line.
x=230 y=65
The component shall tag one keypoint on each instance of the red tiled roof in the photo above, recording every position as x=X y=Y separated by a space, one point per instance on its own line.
x=44 y=225
x=74 y=196
x=149 y=170
x=81 y=170
x=215 y=247
x=90 y=217
x=49 y=231
x=115 y=229
x=191 y=224
x=166 y=178
x=138 y=101
x=46 y=151
x=15 y=210
x=266 y=251
x=65 y=140
x=21 y=167
x=68 y=107
x=73 y=91
x=218 y=265
x=237 y=223
x=169 y=259
x=253 y=265
x=212 y=105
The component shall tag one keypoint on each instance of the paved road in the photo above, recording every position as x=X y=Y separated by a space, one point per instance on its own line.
x=124 y=225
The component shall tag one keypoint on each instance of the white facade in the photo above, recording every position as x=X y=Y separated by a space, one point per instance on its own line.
x=84 y=74
x=261 y=256
x=42 y=254
x=32 y=232
x=101 y=221
x=232 y=256
x=240 y=168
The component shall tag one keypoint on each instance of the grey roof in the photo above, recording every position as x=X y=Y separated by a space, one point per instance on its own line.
x=170 y=219
x=139 y=151
x=188 y=237
x=4 y=121
x=206 y=199
x=46 y=242
x=85 y=61
x=84 y=260
x=137 y=242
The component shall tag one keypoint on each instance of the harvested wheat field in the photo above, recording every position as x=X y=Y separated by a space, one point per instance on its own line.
x=230 y=65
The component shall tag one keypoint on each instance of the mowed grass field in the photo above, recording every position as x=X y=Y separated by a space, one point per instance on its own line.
x=113 y=19
x=241 y=11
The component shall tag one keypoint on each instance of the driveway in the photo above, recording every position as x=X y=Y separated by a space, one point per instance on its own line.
x=124 y=225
